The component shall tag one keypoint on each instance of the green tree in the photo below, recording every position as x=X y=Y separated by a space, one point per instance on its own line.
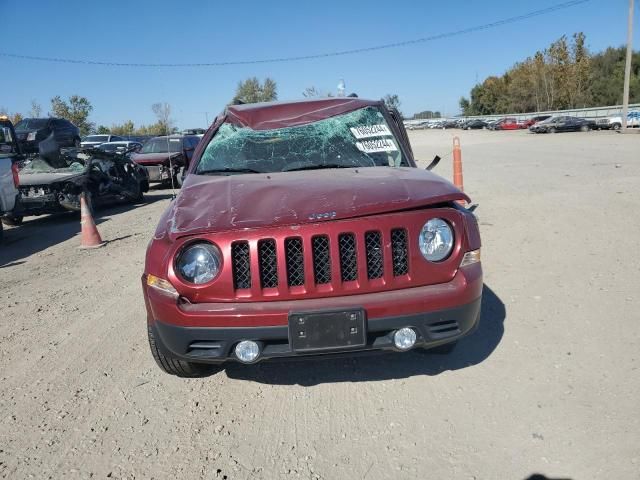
x=127 y=128
x=76 y=110
x=252 y=91
x=392 y=101
x=102 y=130
x=36 y=110
x=162 y=111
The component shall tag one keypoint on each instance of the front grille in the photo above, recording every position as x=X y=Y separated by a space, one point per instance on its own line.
x=348 y=259
x=375 y=265
x=321 y=259
x=400 y=252
x=268 y=262
x=295 y=261
x=241 y=265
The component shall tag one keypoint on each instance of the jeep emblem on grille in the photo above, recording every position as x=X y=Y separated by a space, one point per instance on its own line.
x=322 y=216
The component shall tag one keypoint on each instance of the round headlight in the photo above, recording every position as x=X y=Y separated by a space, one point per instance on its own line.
x=199 y=263
x=436 y=240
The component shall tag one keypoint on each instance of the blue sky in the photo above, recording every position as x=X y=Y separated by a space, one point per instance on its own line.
x=430 y=75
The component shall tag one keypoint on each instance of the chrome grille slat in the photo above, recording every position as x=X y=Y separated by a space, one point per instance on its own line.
x=268 y=262
x=295 y=261
x=348 y=257
x=360 y=256
x=241 y=265
x=400 y=252
x=375 y=258
x=321 y=259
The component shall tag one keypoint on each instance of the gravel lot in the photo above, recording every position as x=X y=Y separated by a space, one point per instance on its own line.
x=549 y=383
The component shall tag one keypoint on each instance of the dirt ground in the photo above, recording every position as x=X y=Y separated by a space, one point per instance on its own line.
x=549 y=384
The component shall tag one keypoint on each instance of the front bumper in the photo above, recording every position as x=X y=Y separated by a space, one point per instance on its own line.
x=207 y=333
x=158 y=173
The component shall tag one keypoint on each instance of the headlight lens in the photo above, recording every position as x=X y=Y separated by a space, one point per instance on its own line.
x=199 y=263
x=31 y=136
x=436 y=240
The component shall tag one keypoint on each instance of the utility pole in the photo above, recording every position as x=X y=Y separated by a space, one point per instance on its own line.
x=627 y=68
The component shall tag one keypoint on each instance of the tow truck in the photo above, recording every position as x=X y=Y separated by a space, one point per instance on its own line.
x=9 y=180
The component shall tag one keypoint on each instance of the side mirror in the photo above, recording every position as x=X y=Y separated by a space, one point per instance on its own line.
x=433 y=163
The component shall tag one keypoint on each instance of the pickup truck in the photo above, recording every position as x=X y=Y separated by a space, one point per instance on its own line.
x=9 y=180
x=615 y=122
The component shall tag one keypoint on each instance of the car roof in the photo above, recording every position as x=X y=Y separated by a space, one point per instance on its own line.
x=268 y=115
x=120 y=142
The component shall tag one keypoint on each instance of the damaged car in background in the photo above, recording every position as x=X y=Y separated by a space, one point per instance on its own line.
x=303 y=229
x=167 y=158
x=32 y=133
x=52 y=182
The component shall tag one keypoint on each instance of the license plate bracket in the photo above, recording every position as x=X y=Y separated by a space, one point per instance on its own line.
x=327 y=330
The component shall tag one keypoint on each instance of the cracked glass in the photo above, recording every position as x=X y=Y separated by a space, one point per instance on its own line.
x=361 y=138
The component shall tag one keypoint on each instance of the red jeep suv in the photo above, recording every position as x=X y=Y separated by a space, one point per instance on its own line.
x=305 y=228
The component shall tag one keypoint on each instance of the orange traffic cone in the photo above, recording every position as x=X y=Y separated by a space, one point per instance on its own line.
x=457 y=166
x=89 y=235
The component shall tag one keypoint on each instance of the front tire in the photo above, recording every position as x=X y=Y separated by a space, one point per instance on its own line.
x=552 y=130
x=175 y=366
x=616 y=126
x=12 y=221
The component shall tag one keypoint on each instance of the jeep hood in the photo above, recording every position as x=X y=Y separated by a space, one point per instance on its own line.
x=219 y=203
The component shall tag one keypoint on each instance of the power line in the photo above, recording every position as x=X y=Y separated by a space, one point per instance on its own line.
x=440 y=36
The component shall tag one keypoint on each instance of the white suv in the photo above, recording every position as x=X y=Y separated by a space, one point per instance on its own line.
x=615 y=122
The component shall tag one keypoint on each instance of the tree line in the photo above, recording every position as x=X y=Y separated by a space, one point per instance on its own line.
x=77 y=109
x=563 y=76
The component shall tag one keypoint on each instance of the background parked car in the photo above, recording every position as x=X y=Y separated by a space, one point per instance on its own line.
x=53 y=184
x=475 y=124
x=33 y=131
x=167 y=158
x=615 y=122
x=534 y=120
x=507 y=123
x=120 y=146
x=95 y=140
x=563 y=124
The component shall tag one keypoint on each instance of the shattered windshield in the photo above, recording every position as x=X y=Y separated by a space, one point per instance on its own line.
x=40 y=165
x=160 y=145
x=361 y=138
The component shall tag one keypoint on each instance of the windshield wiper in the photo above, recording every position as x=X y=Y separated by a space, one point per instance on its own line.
x=320 y=167
x=217 y=171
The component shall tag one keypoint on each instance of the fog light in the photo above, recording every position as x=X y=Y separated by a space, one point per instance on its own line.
x=405 y=338
x=247 y=351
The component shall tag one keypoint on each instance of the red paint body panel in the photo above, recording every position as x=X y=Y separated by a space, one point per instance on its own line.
x=222 y=203
x=465 y=287
x=265 y=116
x=277 y=206
x=420 y=273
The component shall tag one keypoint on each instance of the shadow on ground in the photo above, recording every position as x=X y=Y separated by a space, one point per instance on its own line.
x=470 y=351
x=39 y=233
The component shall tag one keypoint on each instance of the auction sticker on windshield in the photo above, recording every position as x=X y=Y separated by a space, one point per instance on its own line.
x=376 y=145
x=367 y=131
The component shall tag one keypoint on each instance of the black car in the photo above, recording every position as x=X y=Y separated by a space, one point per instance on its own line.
x=563 y=124
x=475 y=124
x=52 y=184
x=31 y=132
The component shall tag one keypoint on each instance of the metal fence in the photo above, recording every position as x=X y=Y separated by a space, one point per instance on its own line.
x=592 y=113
